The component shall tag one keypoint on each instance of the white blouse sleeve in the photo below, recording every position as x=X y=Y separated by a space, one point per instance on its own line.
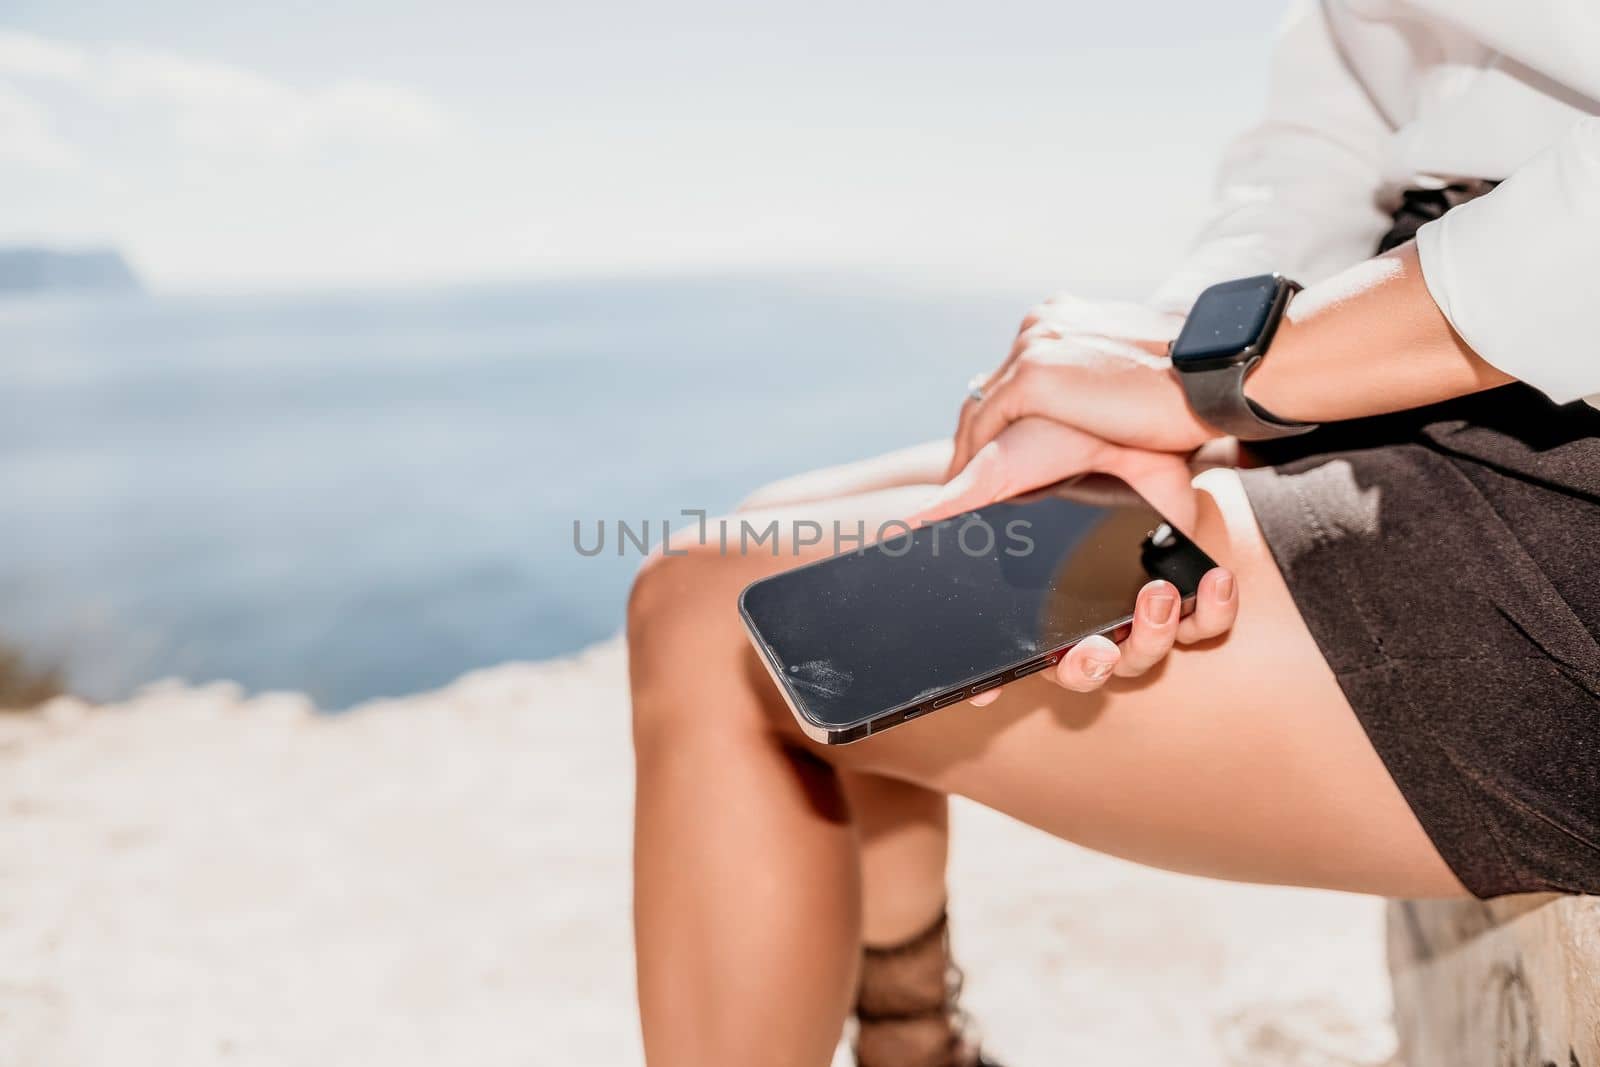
x=1298 y=193
x=1517 y=271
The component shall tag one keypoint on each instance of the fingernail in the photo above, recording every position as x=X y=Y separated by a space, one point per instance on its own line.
x=1224 y=586
x=1158 y=609
x=1097 y=670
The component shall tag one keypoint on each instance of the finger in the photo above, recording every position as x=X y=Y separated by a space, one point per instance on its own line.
x=980 y=482
x=1033 y=331
x=1029 y=454
x=1019 y=344
x=1087 y=665
x=962 y=453
x=1014 y=397
x=958 y=457
x=1155 y=627
x=985 y=698
x=1216 y=606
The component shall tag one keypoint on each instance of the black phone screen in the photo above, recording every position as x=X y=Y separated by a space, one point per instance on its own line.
x=867 y=633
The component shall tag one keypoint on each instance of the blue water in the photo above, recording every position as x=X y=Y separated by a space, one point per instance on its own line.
x=367 y=494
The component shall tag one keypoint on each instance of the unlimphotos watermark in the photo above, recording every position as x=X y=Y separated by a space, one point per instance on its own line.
x=970 y=534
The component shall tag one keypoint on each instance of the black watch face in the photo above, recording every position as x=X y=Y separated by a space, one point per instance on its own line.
x=1225 y=320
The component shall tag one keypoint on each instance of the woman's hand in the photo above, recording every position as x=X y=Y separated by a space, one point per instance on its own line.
x=1158 y=624
x=1123 y=392
x=1034 y=452
x=1088 y=388
x=1092 y=337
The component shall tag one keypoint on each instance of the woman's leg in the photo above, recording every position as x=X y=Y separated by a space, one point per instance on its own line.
x=902 y=830
x=1240 y=760
x=734 y=828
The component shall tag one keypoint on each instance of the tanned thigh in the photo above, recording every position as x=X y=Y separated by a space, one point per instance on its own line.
x=1237 y=759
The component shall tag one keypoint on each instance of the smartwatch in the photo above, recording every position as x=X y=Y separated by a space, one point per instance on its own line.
x=1226 y=334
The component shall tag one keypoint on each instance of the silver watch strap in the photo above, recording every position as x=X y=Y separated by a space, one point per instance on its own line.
x=1217 y=396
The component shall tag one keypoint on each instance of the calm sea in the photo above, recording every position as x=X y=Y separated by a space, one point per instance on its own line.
x=366 y=494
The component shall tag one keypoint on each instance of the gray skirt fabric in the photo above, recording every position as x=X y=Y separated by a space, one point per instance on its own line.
x=1447 y=562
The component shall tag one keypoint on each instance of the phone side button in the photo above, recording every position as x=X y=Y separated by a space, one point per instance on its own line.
x=1029 y=668
x=945 y=702
x=987 y=684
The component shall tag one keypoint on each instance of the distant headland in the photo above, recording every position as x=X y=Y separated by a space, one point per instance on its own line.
x=38 y=270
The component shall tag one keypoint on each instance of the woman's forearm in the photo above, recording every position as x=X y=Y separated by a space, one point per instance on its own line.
x=1368 y=341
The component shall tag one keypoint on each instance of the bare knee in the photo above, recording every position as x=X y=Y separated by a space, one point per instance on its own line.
x=657 y=587
x=684 y=642
x=660 y=604
x=660 y=607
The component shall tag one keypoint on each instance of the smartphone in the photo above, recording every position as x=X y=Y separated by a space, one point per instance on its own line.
x=865 y=640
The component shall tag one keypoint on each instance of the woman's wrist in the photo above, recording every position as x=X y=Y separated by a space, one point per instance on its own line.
x=1368 y=341
x=1179 y=413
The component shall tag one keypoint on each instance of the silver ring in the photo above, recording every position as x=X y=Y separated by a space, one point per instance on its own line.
x=975 y=388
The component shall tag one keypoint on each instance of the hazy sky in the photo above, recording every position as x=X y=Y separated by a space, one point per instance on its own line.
x=361 y=142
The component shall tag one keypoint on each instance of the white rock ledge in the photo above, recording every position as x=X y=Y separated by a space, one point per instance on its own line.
x=196 y=876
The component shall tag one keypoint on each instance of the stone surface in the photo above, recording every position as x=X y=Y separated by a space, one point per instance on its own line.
x=1513 y=982
x=199 y=876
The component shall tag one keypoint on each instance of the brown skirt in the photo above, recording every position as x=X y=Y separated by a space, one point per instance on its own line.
x=1447 y=561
